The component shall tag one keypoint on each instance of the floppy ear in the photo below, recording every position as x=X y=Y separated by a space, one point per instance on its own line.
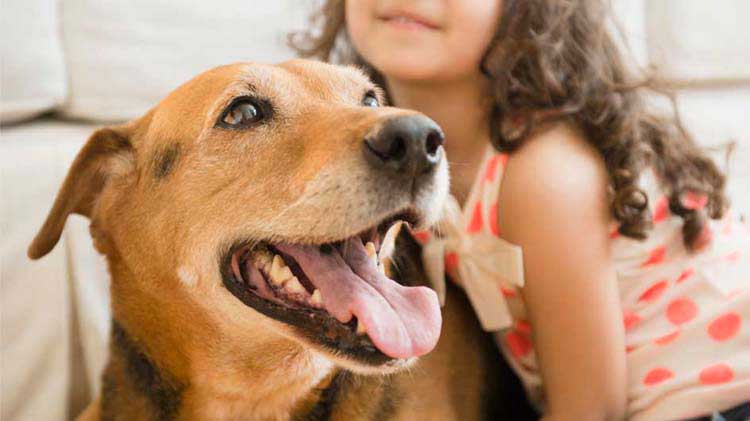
x=86 y=178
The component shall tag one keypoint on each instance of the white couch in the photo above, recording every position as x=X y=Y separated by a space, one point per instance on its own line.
x=83 y=63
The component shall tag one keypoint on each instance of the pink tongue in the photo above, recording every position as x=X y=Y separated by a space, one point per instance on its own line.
x=401 y=321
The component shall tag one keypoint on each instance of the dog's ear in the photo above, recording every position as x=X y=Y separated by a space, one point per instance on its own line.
x=107 y=151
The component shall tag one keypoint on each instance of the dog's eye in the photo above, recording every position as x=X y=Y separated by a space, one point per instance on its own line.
x=370 y=100
x=241 y=113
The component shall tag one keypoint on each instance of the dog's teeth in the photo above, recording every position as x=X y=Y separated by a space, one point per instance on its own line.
x=360 y=328
x=317 y=298
x=279 y=272
x=263 y=261
x=293 y=286
x=388 y=243
x=371 y=252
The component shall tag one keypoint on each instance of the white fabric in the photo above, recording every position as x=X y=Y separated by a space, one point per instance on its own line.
x=54 y=312
x=125 y=55
x=32 y=74
x=698 y=40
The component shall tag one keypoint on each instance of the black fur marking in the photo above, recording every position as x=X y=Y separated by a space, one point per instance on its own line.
x=324 y=408
x=165 y=160
x=388 y=401
x=163 y=393
x=109 y=392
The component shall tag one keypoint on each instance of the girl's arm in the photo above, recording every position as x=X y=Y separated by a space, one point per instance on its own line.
x=554 y=205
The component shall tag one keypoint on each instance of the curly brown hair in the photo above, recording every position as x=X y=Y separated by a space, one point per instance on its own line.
x=557 y=59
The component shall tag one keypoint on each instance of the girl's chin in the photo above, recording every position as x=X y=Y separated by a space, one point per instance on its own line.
x=418 y=70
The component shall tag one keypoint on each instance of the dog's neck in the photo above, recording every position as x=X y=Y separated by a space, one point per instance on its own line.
x=135 y=387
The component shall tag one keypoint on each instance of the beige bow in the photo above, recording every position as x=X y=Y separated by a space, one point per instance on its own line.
x=482 y=262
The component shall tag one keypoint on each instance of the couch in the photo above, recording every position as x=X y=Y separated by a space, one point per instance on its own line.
x=70 y=66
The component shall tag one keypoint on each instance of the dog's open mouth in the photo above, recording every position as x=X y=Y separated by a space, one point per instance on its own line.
x=338 y=294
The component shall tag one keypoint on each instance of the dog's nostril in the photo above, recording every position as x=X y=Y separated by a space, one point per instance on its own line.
x=397 y=150
x=433 y=142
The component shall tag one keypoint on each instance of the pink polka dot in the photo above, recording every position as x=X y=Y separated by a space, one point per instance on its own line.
x=451 y=261
x=661 y=209
x=657 y=375
x=669 y=337
x=422 y=236
x=519 y=345
x=715 y=374
x=630 y=348
x=504 y=159
x=685 y=274
x=655 y=256
x=491 y=169
x=681 y=310
x=523 y=327
x=614 y=234
x=475 y=224
x=694 y=201
x=494 y=229
x=733 y=257
x=724 y=327
x=630 y=319
x=654 y=292
x=507 y=292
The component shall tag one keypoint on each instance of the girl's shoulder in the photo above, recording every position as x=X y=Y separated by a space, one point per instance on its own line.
x=555 y=178
x=556 y=166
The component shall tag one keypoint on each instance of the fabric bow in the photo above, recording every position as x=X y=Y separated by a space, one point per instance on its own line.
x=479 y=262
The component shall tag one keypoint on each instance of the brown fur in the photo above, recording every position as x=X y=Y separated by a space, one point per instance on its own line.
x=168 y=193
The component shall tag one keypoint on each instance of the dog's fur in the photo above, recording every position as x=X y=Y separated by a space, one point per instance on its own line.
x=168 y=193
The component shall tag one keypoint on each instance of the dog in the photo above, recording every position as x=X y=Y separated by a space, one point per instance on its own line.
x=244 y=220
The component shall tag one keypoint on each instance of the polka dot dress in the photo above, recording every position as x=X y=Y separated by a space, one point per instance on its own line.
x=686 y=315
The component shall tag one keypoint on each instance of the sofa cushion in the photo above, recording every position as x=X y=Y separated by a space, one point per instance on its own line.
x=32 y=73
x=125 y=55
x=698 y=40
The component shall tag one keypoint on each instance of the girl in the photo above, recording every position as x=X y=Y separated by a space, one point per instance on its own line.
x=636 y=299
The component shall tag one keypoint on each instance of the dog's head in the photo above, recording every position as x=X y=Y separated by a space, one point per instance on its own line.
x=246 y=212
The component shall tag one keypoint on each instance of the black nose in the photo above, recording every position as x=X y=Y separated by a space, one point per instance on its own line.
x=405 y=144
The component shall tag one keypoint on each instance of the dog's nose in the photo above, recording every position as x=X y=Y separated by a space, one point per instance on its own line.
x=405 y=144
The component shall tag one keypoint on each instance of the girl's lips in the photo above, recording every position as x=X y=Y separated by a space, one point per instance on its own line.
x=409 y=21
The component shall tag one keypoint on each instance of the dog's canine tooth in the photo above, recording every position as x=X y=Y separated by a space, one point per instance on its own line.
x=317 y=297
x=263 y=261
x=388 y=243
x=371 y=252
x=361 y=328
x=279 y=272
x=293 y=286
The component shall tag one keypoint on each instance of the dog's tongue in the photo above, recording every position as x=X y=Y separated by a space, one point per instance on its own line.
x=401 y=321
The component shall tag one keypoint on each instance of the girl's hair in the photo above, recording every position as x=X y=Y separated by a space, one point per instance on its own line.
x=558 y=57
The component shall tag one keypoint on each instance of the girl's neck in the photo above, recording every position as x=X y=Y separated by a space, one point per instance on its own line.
x=460 y=107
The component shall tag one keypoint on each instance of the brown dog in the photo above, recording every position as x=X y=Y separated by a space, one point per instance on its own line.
x=241 y=220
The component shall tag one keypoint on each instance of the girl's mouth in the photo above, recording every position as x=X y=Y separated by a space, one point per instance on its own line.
x=407 y=21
